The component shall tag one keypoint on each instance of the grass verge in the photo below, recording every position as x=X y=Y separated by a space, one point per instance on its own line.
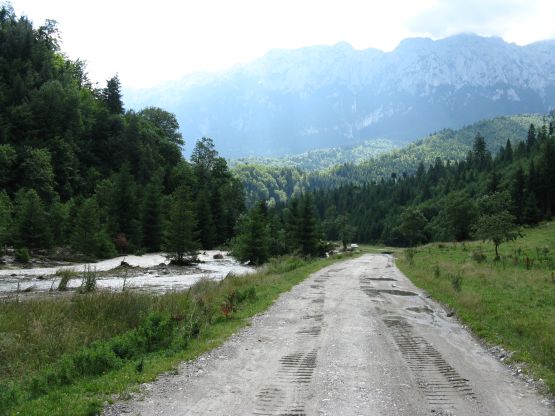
x=510 y=302
x=70 y=355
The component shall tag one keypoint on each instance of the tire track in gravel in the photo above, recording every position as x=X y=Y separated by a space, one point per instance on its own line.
x=356 y=338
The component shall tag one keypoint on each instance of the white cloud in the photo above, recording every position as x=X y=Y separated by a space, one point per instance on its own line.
x=149 y=42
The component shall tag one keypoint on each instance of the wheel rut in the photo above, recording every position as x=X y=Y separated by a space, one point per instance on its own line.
x=443 y=387
x=357 y=338
x=288 y=392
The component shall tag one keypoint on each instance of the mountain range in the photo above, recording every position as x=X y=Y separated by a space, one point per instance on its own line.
x=293 y=101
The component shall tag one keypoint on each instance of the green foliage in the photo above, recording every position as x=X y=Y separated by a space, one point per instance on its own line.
x=496 y=223
x=412 y=226
x=179 y=238
x=307 y=227
x=89 y=237
x=88 y=282
x=79 y=350
x=65 y=276
x=5 y=219
x=253 y=239
x=152 y=219
x=22 y=255
x=30 y=226
x=71 y=143
x=507 y=302
x=276 y=180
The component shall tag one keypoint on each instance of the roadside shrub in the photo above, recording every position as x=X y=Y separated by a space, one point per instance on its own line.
x=409 y=255
x=456 y=282
x=88 y=284
x=284 y=264
x=478 y=255
x=65 y=276
x=156 y=332
x=437 y=271
x=9 y=397
x=95 y=360
x=22 y=255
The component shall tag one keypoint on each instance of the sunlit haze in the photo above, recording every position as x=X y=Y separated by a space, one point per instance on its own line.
x=147 y=43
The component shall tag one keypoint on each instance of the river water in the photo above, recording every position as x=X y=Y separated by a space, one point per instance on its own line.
x=150 y=272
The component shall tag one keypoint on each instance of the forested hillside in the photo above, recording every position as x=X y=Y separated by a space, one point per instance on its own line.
x=321 y=159
x=77 y=170
x=478 y=197
x=280 y=178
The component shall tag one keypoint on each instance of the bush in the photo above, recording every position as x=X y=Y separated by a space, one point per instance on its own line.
x=88 y=283
x=9 y=397
x=156 y=332
x=95 y=360
x=22 y=255
x=478 y=255
x=65 y=276
x=409 y=255
x=456 y=282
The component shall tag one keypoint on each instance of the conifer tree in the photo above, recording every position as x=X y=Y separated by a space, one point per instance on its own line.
x=307 y=227
x=252 y=241
x=181 y=223
x=112 y=95
x=5 y=219
x=31 y=228
x=152 y=215
x=89 y=236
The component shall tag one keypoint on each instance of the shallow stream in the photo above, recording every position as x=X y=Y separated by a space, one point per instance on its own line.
x=150 y=272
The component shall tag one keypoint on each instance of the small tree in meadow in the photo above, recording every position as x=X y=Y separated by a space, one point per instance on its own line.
x=496 y=223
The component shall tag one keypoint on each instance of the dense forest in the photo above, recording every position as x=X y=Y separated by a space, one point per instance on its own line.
x=80 y=175
x=278 y=179
x=79 y=171
x=448 y=201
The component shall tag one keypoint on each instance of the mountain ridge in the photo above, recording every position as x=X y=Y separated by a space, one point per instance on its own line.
x=293 y=101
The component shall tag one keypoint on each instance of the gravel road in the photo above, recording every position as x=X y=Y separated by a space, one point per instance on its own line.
x=356 y=338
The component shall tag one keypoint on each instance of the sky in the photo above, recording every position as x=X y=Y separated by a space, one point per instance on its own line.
x=150 y=42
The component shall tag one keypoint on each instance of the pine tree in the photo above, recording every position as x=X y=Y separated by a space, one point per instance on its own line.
x=124 y=207
x=517 y=194
x=531 y=213
x=252 y=242
x=5 y=219
x=31 y=228
x=179 y=233
x=89 y=236
x=206 y=230
x=307 y=227
x=508 y=154
x=112 y=95
x=152 y=215
x=531 y=139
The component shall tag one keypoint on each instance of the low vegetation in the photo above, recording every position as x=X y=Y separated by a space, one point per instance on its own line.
x=508 y=302
x=68 y=355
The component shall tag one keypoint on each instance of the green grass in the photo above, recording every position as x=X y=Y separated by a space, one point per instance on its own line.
x=510 y=302
x=69 y=355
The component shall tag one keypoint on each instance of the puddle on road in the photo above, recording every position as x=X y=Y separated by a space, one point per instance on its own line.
x=380 y=279
x=396 y=292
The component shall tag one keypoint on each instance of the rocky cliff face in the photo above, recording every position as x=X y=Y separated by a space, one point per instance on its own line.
x=294 y=100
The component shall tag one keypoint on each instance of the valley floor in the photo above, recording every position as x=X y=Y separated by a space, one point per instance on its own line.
x=355 y=338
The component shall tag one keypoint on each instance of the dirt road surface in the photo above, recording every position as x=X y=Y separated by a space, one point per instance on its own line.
x=356 y=338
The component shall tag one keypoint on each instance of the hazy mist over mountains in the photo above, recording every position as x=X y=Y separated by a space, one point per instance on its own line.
x=291 y=101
